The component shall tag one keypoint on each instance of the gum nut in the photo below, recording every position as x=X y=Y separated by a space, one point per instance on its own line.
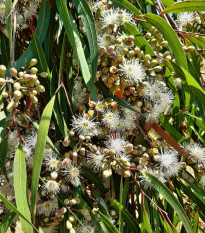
x=37 y=82
x=34 y=70
x=17 y=95
x=33 y=62
x=72 y=231
x=5 y=94
x=34 y=92
x=2 y=81
x=2 y=70
x=27 y=77
x=69 y=225
x=71 y=218
x=10 y=106
x=21 y=74
x=44 y=75
x=40 y=88
x=34 y=99
x=33 y=77
x=13 y=72
x=17 y=86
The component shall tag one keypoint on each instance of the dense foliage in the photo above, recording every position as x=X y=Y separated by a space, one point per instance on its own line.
x=102 y=117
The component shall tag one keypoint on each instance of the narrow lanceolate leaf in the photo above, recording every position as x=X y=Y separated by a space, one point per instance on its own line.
x=20 y=188
x=107 y=223
x=8 y=22
x=86 y=172
x=128 y=218
x=6 y=221
x=13 y=208
x=168 y=195
x=185 y=7
x=170 y=35
x=89 y=24
x=3 y=152
x=95 y=221
x=75 y=41
x=195 y=88
x=39 y=150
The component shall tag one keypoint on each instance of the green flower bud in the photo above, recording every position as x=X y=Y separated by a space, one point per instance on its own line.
x=71 y=218
x=17 y=95
x=69 y=225
x=34 y=70
x=17 y=86
x=13 y=72
x=10 y=106
x=40 y=88
x=34 y=99
x=44 y=75
x=5 y=94
x=2 y=81
x=33 y=62
x=2 y=70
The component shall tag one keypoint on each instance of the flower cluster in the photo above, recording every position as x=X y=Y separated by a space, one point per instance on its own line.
x=21 y=83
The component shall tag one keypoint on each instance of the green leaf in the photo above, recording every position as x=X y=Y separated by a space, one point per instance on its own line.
x=124 y=4
x=20 y=188
x=187 y=6
x=2 y=123
x=89 y=24
x=169 y=35
x=47 y=139
x=146 y=222
x=8 y=22
x=192 y=83
x=94 y=178
x=195 y=223
x=106 y=222
x=6 y=221
x=167 y=2
x=3 y=152
x=168 y=195
x=13 y=208
x=130 y=220
x=94 y=219
x=171 y=129
x=75 y=41
x=41 y=30
x=39 y=150
x=139 y=40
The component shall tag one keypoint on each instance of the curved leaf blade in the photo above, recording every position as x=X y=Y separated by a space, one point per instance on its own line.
x=168 y=195
x=39 y=150
x=20 y=188
x=129 y=219
x=13 y=208
x=89 y=24
x=187 y=6
x=106 y=222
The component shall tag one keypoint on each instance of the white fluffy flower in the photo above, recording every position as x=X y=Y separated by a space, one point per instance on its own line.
x=95 y=160
x=73 y=175
x=28 y=151
x=167 y=159
x=47 y=207
x=196 y=151
x=79 y=93
x=51 y=162
x=105 y=40
x=111 y=119
x=86 y=228
x=31 y=139
x=132 y=70
x=84 y=125
x=52 y=186
x=117 y=144
x=184 y=18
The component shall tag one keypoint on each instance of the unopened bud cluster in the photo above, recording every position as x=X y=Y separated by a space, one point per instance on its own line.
x=19 y=84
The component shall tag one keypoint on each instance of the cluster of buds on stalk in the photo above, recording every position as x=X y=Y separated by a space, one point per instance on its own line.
x=18 y=84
